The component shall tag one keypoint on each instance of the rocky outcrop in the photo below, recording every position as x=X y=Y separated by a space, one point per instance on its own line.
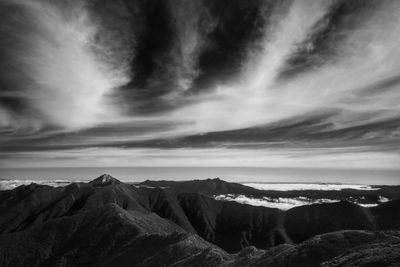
x=104 y=180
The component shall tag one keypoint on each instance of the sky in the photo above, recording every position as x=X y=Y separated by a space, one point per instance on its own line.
x=311 y=84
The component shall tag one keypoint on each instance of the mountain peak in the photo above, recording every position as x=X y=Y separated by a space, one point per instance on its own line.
x=104 y=180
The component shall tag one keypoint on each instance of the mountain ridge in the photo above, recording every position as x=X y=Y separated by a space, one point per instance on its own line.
x=218 y=228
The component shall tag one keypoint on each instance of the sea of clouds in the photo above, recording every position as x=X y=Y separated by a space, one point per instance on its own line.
x=286 y=203
x=11 y=184
x=309 y=186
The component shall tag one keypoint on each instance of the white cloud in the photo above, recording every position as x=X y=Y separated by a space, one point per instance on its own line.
x=193 y=23
x=285 y=203
x=279 y=203
x=11 y=184
x=367 y=55
x=67 y=81
x=71 y=82
x=299 y=186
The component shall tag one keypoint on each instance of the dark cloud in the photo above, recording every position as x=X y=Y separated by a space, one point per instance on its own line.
x=238 y=25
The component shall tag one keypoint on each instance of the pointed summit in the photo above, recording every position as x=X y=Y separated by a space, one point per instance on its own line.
x=104 y=180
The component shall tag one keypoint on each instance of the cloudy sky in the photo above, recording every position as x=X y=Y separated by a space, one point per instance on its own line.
x=256 y=83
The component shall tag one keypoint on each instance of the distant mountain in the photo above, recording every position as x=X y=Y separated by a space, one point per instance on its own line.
x=212 y=187
x=104 y=180
x=207 y=187
x=109 y=223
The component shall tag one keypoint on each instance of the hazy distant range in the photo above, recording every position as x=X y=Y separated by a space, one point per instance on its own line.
x=237 y=174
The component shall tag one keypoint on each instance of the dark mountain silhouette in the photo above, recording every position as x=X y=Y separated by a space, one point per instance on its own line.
x=207 y=187
x=234 y=226
x=217 y=186
x=387 y=215
x=306 y=221
x=329 y=250
x=109 y=223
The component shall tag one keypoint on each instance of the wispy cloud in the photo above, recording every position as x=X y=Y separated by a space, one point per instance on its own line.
x=370 y=48
x=79 y=90
x=193 y=22
x=52 y=66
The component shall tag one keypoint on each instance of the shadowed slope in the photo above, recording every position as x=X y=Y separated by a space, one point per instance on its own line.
x=322 y=248
x=234 y=226
x=306 y=221
x=106 y=236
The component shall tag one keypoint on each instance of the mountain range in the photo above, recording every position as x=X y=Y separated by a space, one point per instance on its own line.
x=106 y=222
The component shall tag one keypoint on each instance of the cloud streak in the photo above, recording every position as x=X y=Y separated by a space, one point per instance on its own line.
x=59 y=76
x=336 y=86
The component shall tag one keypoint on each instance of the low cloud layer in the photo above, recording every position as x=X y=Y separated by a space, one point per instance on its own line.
x=278 y=203
x=283 y=203
x=288 y=187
